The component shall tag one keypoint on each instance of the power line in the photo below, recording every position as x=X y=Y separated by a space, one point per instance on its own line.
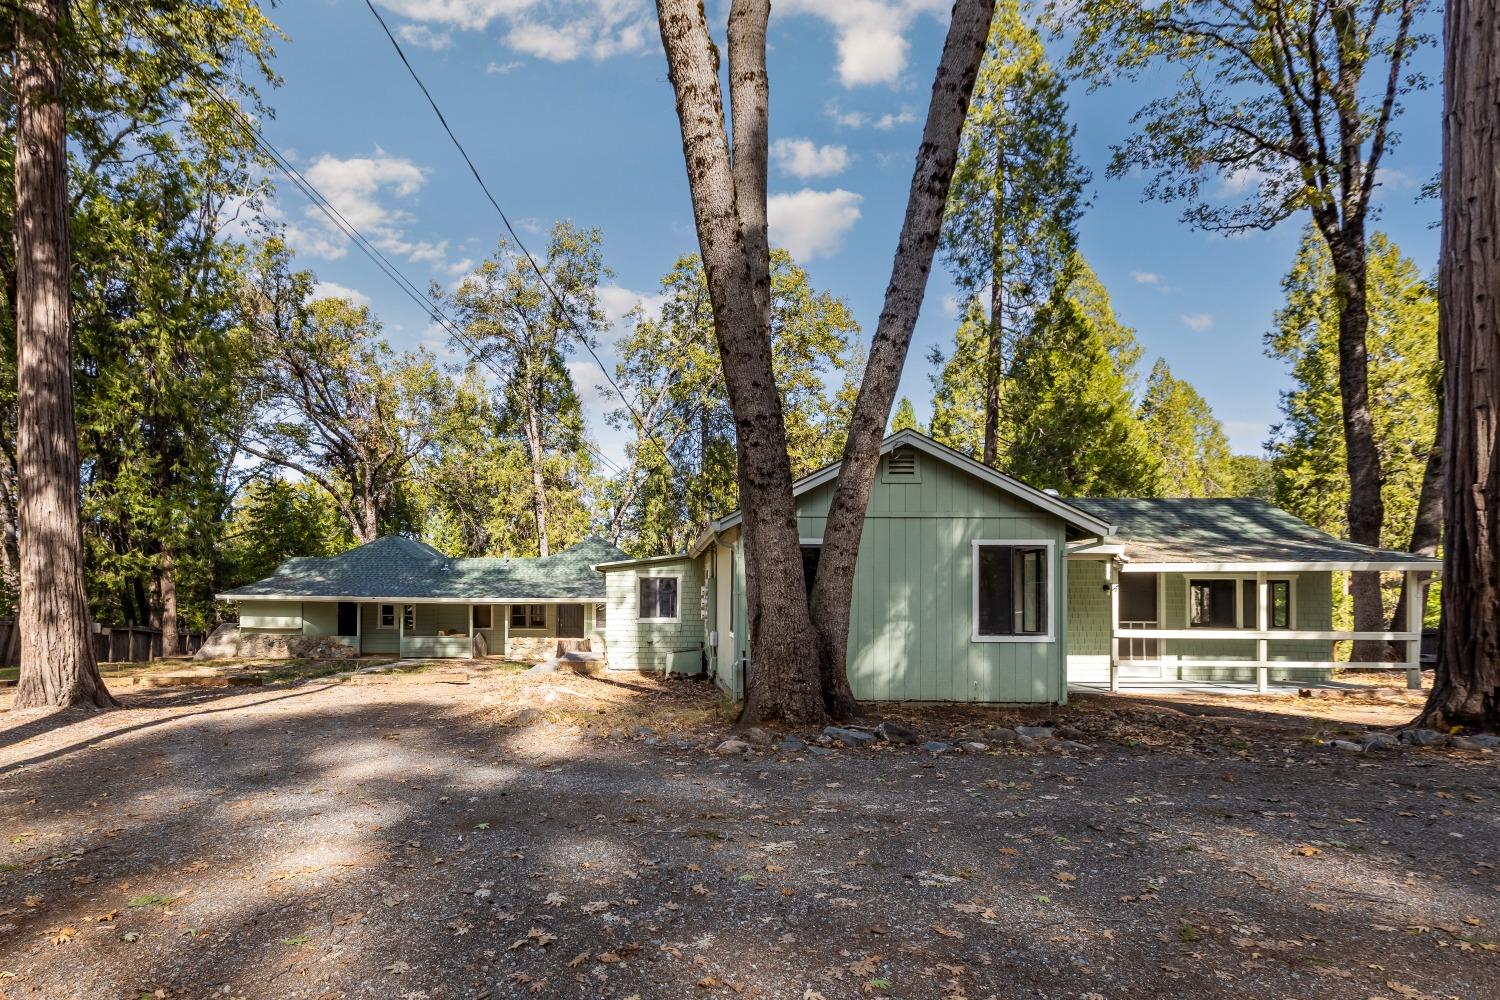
x=520 y=244
x=329 y=210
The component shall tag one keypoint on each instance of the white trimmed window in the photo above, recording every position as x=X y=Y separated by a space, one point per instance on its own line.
x=1012 y=582
x=599 y=616
x=387 y=616
x=657 y=598
x=528 y=616
x=1231 y=602
x=409 y=617
x=483 y=616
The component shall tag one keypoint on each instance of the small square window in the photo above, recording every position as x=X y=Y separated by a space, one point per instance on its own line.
x=658 y=598
x=528 y=616
x=387 y=616
x=483 y=616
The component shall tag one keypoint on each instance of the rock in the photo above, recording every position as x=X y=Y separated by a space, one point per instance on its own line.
x=849 y=737
x=222 y=644
x=617 y=734
x=1002 y=736
x=1035 y=732
x=651 y=741
x=1379 y=741
x=937 y=746
x=791 y=743
x=526 y=717
x=819 y=751
x=1487 y=740
x=1390 y=694
x=732 y=747
x=1346 y=746
x=757 y=736
x=642 y=731
x=1467 y=743
x=973 y=746
x=895 y=732
x=1064 y=745
x=1027 y=743
x=1424 y=738
x=1070 y=733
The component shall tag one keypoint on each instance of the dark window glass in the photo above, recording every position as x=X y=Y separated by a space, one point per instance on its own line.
x=658 y=597
x=483 y=616
x=1280 y=597
x=1011 y=590
x=1211 y=603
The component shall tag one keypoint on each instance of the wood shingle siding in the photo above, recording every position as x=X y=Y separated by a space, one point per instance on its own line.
x=657 y=646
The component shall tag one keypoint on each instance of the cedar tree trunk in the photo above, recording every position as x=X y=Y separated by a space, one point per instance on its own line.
x=1467 y=690
x=57 y=654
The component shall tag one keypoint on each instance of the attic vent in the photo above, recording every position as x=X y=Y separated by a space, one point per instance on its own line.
x=901 y=466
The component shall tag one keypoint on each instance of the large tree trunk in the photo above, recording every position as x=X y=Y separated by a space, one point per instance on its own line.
x=833 y=591
x=783 y=681
x=57 y=654
x=166 y=592
x=1366 y=510
x=1467 y=690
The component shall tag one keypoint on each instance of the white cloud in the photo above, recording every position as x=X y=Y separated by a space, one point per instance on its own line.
x=1198 y=322
x=424 y=37
x=1241 y=181
x=870 y=34
x=812 y=223
x=362 y=189
x=805 y=158
x=501 y=69
x=952 y=306
x=1146 y=277
x=866 y=119
x=556 y=30
x=617 y=302
x=333 y=290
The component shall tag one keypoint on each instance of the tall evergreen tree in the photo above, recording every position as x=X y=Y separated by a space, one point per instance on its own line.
x=1068 y=407
x=905 y=417
x=1013 y=208
x=1186 y=438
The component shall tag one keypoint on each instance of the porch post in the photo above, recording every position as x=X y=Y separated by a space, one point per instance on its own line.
x=1113 y=576
x=1416 y=613
x=1262 y=647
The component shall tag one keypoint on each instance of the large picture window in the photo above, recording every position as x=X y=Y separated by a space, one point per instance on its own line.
x=1011 y=580
x=658 y=598
x=1231 y=603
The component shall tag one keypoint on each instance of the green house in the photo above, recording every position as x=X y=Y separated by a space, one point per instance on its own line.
x=398 y=596
x=972 y=586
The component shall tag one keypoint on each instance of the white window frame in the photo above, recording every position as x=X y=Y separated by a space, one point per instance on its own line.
x=474 y=617
x=1049 y=583
x=408 y=618
x=528 y=627
x=658 y=576
x=380 y=617
x=1239 y=600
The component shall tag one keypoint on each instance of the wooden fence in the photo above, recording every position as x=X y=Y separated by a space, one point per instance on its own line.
x=112 y=643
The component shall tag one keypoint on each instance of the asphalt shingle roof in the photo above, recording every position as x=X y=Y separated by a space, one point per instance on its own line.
x=1238 y=529
x=396 y=567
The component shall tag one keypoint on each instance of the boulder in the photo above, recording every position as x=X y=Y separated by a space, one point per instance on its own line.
x=757 y=736
x=223 y=643
x=895 y=732
x=973 y=746
x=1002 y=736
x=1379 y=741
x=791 y=743
x=1424 y=738
x=1346 y=746
x=849 y=737
x=526 y=717
x=1489 y=741
x=1468 y=743
x=937 y=746
x=732 y=747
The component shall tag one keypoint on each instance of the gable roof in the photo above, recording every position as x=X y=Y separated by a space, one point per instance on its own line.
x=397 y=568
x=1233 y=533
x=1072 y=514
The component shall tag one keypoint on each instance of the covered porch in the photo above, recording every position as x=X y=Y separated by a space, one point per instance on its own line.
x=529 y=631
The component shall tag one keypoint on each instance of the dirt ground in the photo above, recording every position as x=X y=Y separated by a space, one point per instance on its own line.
x=515 y=835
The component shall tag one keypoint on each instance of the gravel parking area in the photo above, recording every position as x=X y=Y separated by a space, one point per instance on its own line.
x=519 y=836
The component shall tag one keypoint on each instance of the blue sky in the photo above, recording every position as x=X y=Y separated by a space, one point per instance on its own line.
x=565 y=107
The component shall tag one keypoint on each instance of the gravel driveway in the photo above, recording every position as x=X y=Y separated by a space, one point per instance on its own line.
x=400 y=840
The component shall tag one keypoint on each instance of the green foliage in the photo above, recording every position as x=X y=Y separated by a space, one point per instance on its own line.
x=671 y=365
x=905 y=417
x=274 y=519
x=1185 y=438
x=1009 y=232
x=1307 y=446
x=520 y=329
x=1252 y=476
x=1069 y=411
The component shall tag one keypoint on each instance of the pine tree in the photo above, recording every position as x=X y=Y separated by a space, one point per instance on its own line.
x=1186 y=438
x=1013 y=208
x=1068 y=407
x=905 y=417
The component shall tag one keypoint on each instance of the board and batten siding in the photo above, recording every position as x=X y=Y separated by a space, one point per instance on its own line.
x=632 y=644
x=271 y=616
x=911 y=634
x=373 y=638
